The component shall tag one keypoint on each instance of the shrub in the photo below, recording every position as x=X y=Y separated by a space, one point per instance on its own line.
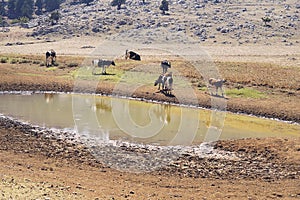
x=36 y=62
x=3 y=60
x=164 y=6
x=73 y=65
x=13 y=61
x=25 y=61
x=266 y=20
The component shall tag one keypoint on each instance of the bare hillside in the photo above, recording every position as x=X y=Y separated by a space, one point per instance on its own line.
x=217 y=21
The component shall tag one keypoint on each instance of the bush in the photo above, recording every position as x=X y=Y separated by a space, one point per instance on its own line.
x=55 y=16
x=36 y=62
x=42 y=64
x=3 y=60
x=73 y=65
x=25 y=61
x=13 y=61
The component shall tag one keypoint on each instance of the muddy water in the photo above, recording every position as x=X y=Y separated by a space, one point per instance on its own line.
x=106 y=118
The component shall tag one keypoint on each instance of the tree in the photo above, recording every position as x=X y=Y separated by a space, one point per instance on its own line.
x=87 y=2
x=27 y=8
x=2 y=8
x=266 y=20
x=11 y=9
x=164 y=6
x=39 y=7
x=1 y=21
x=118 y=3
x=20 y=8
x=51 y=5
x=54 y=17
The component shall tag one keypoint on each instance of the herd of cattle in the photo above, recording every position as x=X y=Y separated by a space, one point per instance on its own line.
x=164 y=81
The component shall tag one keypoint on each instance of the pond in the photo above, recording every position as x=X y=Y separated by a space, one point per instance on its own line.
x=108 y=118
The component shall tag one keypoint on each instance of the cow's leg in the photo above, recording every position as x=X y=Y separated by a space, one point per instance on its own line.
x=222 y=91
x=93 y=71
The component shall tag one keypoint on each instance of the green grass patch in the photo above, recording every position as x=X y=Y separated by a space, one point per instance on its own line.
x=51 y=68
x=245 y=92
x=85 y=73
x=30 y=74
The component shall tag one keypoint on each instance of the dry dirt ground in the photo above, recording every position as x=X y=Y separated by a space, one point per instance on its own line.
x=30 y=171
x=34 y=166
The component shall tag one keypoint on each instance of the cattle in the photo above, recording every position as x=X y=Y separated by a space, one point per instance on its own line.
x=132 y=55
x=165 y=65
x=217 y=83
x=159 y=82
x=50 y=57
x=166 y=82
x=102 y=64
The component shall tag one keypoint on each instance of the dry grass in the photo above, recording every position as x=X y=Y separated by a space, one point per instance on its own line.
x=261 y=74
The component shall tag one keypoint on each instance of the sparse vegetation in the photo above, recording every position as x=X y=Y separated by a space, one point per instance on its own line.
x=118 y=3
x=13 y=61
x=245 y=93
x=3 y=60
x=55 y=16
x=73 y=65
x=266 y=20
x=164 y=6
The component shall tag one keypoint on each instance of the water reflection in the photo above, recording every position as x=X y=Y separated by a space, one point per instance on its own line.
x=105 y=118
x=163 y=112
x=49 y=97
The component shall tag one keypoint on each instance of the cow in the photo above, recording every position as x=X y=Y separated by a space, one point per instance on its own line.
x=50 y=57
x=103 y=64
x=159 y=82
x=166 y=82
x=132 y=55
x=217 y=83
x=165 y=65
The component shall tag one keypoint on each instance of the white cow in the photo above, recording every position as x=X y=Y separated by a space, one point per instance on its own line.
x=103 y=64
x=166 y=81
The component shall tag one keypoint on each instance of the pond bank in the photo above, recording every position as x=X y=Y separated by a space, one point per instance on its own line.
x=34 y=159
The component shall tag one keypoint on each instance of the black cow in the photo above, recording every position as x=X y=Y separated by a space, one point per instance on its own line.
x=50 y=57
x=165 y=65
x=132 y=55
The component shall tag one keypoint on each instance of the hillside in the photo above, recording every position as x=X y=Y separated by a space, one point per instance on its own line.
x=203 y=21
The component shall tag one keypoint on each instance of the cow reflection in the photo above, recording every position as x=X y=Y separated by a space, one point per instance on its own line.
x=102 y=106
x=163 y=112
x=49 y=97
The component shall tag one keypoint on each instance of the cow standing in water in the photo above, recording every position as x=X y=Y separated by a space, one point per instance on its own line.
x=50 y=58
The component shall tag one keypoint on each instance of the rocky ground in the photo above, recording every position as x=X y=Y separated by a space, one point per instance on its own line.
x=36 y=163
x=222 y=22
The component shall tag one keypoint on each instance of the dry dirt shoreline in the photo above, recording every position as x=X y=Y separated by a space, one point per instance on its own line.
x=35 y=165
